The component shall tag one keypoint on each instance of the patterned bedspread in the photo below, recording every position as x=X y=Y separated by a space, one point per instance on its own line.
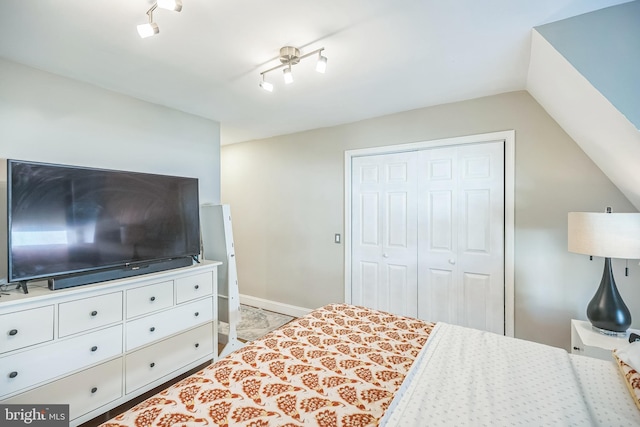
x=338 y=366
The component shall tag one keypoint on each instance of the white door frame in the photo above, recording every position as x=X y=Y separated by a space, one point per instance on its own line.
x=508 y=137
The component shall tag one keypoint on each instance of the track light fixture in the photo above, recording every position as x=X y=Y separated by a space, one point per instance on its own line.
x=291 y=56
x=288 y=76
x=266 y=85
x=151 y=28
x=321 y=65
x=175 y=5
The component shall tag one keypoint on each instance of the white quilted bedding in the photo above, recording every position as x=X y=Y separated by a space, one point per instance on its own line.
x=469 y=377
x=606 y=394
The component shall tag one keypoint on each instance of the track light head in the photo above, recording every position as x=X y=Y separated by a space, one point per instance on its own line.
x=266 y=85
x=147 y=30
x=288 y=76
x=151 y=28
x=175 y=5
x=321 y=65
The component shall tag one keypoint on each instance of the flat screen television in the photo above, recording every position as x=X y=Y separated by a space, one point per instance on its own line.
x=76 y=225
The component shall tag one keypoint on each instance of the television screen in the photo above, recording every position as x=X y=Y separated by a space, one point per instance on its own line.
x=64 y=220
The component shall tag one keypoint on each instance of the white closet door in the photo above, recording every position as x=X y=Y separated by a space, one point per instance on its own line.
x=461 y=235
x=384 y=232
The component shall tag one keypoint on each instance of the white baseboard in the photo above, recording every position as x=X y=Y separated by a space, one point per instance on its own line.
x=278 y=307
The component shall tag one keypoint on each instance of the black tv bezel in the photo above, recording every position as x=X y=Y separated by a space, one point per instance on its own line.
x=68 y=278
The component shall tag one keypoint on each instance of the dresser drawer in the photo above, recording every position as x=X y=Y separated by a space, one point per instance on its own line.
x=192 y=287
x=22 y=370
x=24 y=328
x=89 y=313
x=160 y=325
x=151 y=363
x=83 y=392
x=147 y=299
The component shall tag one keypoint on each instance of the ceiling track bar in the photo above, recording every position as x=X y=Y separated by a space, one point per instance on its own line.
x=287 y=63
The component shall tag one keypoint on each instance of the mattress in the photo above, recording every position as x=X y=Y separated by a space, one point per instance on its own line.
x=347 y=366
x=468 y=377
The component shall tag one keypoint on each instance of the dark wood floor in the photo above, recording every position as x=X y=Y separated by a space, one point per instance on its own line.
x=130 y=404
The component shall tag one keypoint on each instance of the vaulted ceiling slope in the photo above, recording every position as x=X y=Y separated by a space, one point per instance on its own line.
x=384 y=56
x=584 y=72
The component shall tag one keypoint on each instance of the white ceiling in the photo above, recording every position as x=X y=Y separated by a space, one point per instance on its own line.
x=385 y=56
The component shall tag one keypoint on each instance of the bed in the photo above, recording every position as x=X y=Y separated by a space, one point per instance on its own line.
x=344 y=365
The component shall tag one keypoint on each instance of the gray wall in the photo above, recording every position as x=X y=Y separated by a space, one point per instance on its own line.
x=287 y=195
x=604 y=46
x=47 y=118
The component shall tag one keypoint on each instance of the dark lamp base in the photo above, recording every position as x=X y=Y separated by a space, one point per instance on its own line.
x=609 y=333
x=607 y=311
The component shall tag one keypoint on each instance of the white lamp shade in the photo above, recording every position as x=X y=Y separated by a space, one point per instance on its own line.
x=288 y=76
x=266 y=86
x=175 y=5
x=608 y=235
x=321 y=65
x=148 y=30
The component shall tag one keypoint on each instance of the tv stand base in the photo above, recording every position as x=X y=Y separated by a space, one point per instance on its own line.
x=23 y=284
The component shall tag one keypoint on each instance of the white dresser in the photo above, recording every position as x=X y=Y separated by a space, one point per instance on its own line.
x=97 y=346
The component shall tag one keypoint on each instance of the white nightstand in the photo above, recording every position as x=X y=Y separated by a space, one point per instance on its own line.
x=587 y=342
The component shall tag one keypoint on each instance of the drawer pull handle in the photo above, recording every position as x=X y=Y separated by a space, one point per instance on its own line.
x=94 y=348
x=153 y=298
x=94 y=389
x=13 y=374
x=94 y=313
x=152 y=364
x=197 y=286
x=153 y=328
x=197 y=345
x=13 y=332
x=197 y=314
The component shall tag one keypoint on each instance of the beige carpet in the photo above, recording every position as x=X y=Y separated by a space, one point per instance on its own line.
x=255 y=322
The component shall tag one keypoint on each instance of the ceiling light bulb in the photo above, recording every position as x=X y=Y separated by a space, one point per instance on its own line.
x=175 y=5
x=321 y=65
x=266 y=86
x=288 y=76
x=148 y=30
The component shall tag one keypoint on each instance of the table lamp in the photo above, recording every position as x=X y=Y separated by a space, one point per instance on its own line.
x=608 y=235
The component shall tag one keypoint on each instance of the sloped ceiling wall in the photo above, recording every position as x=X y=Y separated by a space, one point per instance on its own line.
x=584 y=72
